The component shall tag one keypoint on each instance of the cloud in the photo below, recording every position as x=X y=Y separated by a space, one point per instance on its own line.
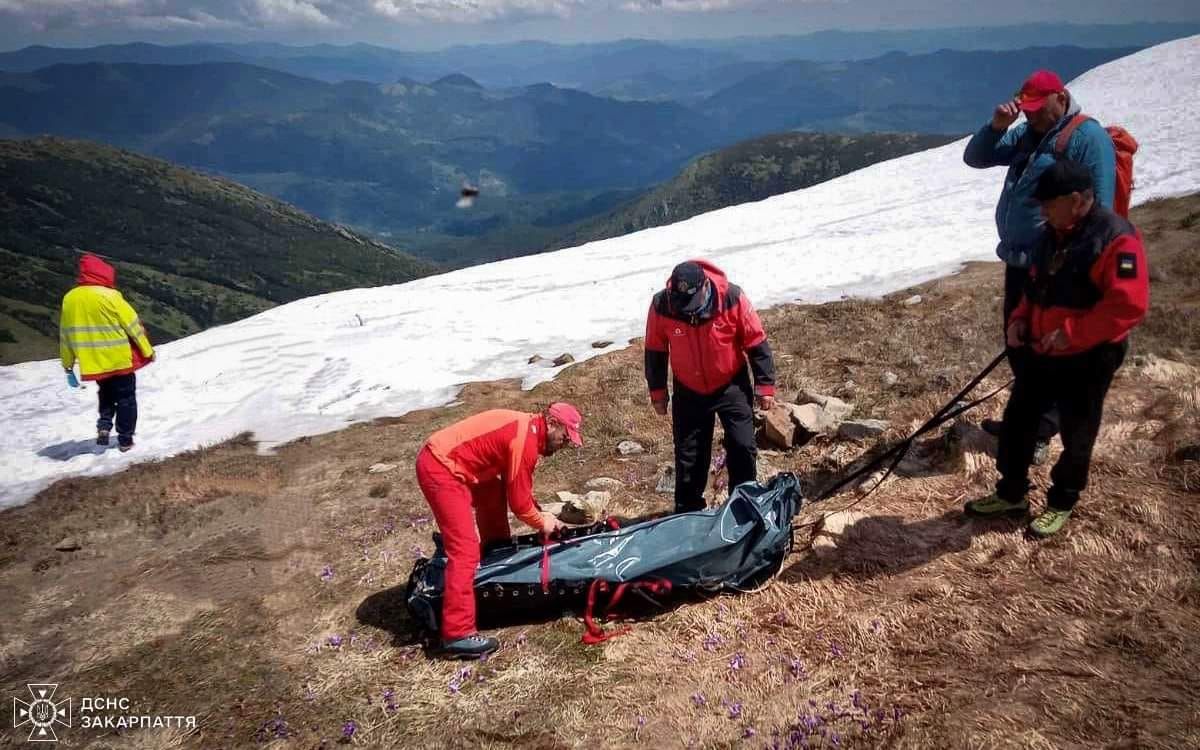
x=684 y=6
x=199 y=15
x=472 y=11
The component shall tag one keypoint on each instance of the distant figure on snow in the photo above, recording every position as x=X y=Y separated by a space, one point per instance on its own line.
x=706 y=329
x=101 y=331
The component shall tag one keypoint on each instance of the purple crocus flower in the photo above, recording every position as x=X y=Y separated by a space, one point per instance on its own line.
x=327 y=573
x=836 y=650
x=699 y=699
x=857 y=700
x=712 y=641
x=738 y=662
x=735 y=711
x=335 y=641
x=797 y=668
x=749 y=732
x=348 y=729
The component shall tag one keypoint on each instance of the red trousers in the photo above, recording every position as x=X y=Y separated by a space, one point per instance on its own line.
x=452 y=502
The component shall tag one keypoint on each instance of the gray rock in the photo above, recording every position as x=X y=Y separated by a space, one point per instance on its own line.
x=835 y=407
x=601 y=344
x=630 y=448
x=589 y=508
x=890 y=378
x=381 y=468
x=563 y=359
x=861 y=429
x=68 y=544
x=913 y=300
x=814 y=418
x=535 y=359
x=1158 y=275
x=604 y=483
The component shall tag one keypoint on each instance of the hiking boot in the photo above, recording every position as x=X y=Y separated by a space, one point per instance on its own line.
x=125 y=447
x=470 y=646
x=992 y=426
x=1041 y=452
x=994 y=506
x=102 y=437
x=1050 y=522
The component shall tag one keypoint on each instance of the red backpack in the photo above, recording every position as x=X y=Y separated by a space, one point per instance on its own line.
x=1125 y=146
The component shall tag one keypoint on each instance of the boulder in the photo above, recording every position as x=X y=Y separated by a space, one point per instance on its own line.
x=563 y=359
x=862 y=429
x=535 y=359
x=601 y=344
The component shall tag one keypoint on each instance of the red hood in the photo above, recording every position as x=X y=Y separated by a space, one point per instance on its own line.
x=96 y=272
x=712 y=273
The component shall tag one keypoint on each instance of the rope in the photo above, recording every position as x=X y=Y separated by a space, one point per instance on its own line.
x=951 y=409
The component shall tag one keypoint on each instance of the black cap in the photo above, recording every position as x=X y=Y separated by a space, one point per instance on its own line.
x=687 y=281
x=1063 y=178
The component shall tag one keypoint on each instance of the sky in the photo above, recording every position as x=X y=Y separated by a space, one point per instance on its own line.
x=426 y=24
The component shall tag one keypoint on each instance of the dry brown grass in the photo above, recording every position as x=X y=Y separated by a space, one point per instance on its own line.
x=198 y=588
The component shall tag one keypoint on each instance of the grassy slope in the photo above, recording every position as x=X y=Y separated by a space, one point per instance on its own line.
x=751 y=171
x=192 y=251
x=197 y=588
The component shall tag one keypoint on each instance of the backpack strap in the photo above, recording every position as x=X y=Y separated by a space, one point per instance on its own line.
x=1064 y=135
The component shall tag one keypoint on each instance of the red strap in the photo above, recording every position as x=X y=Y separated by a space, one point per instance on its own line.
x=596 y=634
x=545 y=563
x=1064 y=135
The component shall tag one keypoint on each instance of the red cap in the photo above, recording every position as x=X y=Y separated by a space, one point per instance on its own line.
x=568 y=416
x=1037 y=88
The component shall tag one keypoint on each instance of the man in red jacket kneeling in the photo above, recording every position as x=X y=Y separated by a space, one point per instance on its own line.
x=1087 y=289
x=711 y=336
x=472 y=473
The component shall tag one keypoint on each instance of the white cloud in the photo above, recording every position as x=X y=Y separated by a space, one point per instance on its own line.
x=471 y=11
x=683 y=6
x=293 y=12
x=318 y=14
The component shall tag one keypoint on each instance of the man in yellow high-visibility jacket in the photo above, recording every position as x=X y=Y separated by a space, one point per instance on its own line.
x=101 y=331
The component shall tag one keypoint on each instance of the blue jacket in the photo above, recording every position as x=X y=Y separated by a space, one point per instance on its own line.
x=1018 y=216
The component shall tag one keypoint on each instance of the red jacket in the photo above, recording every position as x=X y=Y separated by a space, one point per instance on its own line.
x=1099 y=289
x=496 y=445
x=708 y=350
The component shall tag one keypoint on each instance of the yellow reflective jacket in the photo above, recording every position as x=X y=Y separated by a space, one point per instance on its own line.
x=98 y=328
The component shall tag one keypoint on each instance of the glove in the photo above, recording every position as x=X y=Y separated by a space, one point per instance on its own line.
x=72 y=381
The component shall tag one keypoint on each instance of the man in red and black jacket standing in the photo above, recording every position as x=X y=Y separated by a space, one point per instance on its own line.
x=1087 y=289
x=706 y=329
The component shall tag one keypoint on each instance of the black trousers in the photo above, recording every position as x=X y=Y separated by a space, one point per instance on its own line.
x=693 y=420
x=118 y=398
x=1077 y=386
x=1014 y=282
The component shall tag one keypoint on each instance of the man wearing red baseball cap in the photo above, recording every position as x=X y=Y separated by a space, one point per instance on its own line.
x=1028 y=150
x=472 y=473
